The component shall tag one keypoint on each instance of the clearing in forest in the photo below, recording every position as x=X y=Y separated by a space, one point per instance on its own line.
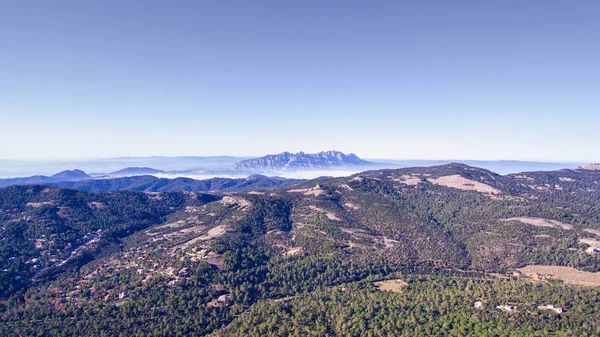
x=568 y=275
x=411 y=180
x=293 y=251
x=394 y=286
x=539 y=222
x=242 y=203
x=212 y=233
x=462 y=183
x=316 y=191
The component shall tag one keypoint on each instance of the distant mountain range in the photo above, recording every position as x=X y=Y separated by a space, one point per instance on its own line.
x=134 y=171
x=497 y=166
x=148 y=183
x=68 y=175
x=102 y=166
x=299 y=165
x=301 y=160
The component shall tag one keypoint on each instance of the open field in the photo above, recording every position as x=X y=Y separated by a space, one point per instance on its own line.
x=316 y=191
x=461 y=183
x=568 y=275
x=539 y=222
x=293 y=251
x=394 y=286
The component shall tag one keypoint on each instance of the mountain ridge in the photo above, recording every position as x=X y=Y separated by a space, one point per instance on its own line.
x=149 y=183
x=301 y=160
x=67 y=175
x=131 y=171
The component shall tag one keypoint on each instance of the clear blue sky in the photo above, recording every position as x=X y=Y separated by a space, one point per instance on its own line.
x=383 y=79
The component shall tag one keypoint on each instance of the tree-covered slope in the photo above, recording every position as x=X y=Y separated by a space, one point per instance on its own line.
x=149 y=183
x=302 y=259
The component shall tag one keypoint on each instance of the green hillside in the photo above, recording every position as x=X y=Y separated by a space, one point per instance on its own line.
x=303 y=260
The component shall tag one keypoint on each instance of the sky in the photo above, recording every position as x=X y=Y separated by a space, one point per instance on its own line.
x=458 y=79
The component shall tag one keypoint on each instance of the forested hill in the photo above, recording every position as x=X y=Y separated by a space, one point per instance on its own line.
x=408 y=252
x=148 y=183
x=73 y=175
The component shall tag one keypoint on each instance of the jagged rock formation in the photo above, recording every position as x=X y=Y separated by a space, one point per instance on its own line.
x=287 y=160
x=594 y=167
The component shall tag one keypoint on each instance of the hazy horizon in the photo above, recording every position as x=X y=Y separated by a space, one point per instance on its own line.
x=420 y=80
x=198 y=167
x=384 y=159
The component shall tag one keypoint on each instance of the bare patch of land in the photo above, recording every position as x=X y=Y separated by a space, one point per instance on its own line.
x=566 y=274
x=593 y=231
x=214 y=259
x=389 y=242
x=409 y=180
x=352 y=206
x=539 y=222
x=242 y=203
x=329 y=215
x=394 y=286
x=590 y=242
x=462 y=183
x=293 y=251
x=96 y=205
x=40 y=204
x=212 y=233
x=351 y=230
x=316 y=191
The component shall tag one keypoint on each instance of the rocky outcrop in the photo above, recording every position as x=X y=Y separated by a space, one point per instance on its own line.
x=301 y=160
x=593 y=167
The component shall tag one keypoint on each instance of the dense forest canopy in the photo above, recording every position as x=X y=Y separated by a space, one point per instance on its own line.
x=307 y=260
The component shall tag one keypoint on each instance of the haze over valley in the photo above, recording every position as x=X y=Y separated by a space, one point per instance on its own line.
x=239 y=167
